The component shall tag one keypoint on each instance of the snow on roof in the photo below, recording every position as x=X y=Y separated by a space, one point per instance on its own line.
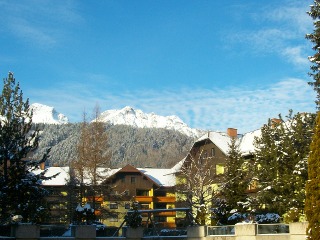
x=246 y=142
x=163 y=177
x=103 y=173
x=222 y=141
x=60 y=180
x=176 y=168
x=63 y=177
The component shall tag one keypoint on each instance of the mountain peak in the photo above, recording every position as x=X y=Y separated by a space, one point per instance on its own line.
x=128 y=110
x=45 y=114
x=137 y=118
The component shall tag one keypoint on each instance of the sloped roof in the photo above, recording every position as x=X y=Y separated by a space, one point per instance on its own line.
x=247 y=140
x=222 y=141
x=160 y=177
x=60 y=180
x=63 y=177
x=128 y=168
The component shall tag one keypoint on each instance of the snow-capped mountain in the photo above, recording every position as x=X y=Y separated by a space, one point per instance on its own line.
x=46 y=114
x=137 y=118
x=126 y=116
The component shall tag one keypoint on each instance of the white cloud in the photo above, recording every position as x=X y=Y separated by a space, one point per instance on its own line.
x=39 y=22
x=280 y=31
x=296 y=55
x=215 y=109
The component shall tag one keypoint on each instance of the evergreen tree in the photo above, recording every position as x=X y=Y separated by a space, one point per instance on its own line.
x=312 y=207
x=314 y=38
x=280 y=162
x=72 y=196
x=236 y=179
x=312 y=203
x=21 y=192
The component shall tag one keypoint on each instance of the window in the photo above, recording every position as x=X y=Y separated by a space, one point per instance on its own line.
x=133 y=179
x=142 y=192
x=113 y=205
x=213 y=152
x=219 y=169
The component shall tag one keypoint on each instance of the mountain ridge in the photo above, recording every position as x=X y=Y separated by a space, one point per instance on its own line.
x=125 y=116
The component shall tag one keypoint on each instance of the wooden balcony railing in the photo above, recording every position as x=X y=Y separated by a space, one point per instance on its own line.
x=146 y=199
x=165 y=199
x=166 y=214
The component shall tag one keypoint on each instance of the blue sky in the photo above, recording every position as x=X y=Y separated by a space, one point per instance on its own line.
x=215 y=64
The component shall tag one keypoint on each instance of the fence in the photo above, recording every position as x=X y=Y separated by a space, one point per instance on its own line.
x=293 y=231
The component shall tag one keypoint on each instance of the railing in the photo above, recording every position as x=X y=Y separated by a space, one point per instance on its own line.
x=164 y=199
x=262 y=229
x=166 y=214
x=147 y=199
x=53 y=230
x=272 y=229
x=221 y=230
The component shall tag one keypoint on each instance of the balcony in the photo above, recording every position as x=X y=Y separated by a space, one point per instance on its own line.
x=166 y=214
x=145 y=199
x=165 y=199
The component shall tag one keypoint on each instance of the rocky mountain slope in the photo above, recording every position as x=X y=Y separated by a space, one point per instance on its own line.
x=143 y=140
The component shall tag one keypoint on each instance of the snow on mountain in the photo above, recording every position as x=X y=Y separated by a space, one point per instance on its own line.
x=137 y=118
x=46 y=114
x=125 y=116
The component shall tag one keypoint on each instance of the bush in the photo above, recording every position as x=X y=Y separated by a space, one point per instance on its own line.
x=267 y=218
x=293 y=215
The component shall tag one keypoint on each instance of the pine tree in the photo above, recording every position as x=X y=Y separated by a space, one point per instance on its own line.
x=236 y=179
x=280 y=162
x=314 y=37
x=312 y=207
x=266 y=166
x=21 y=192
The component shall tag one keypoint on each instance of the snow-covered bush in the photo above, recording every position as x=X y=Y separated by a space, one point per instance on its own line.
x=267 y=218
x=236 y=218
x=259 y=218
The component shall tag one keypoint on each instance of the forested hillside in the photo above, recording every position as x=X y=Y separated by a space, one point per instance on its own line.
x=141 y=147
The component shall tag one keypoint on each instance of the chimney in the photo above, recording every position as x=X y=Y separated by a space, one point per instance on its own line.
x=42 y=166
x=232 y=132
x=275 y=122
